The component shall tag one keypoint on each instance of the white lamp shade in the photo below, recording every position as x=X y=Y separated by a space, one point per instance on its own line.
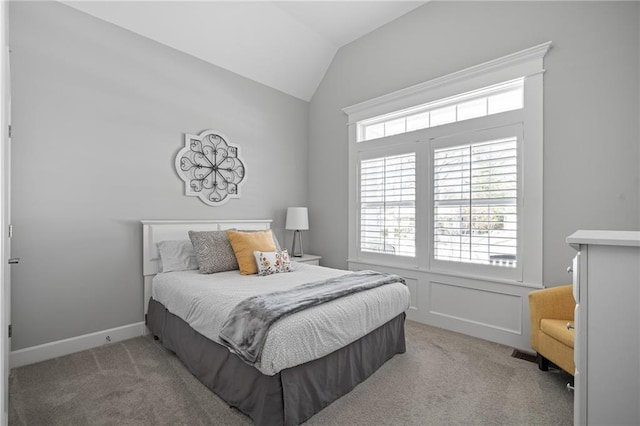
x=297 y=218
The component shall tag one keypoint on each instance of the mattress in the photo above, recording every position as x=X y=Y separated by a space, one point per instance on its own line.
x=205 y=301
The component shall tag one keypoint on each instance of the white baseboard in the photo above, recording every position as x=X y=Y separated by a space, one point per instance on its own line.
x=75 y=344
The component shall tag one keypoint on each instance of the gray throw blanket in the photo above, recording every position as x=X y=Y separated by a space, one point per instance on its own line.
x=245 y=330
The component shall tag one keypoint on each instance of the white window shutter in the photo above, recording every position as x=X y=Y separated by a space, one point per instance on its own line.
x=475 y=200
x=387 y=205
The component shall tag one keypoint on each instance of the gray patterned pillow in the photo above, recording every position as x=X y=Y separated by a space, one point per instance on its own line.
x=213 y=251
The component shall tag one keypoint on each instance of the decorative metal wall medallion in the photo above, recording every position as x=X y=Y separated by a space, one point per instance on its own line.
x=210 y=168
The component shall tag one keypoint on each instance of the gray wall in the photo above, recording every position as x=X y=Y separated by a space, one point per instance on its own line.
x=98 y=116
x=591 y=107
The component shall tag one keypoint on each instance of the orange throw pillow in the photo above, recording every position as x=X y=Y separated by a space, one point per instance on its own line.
x=245 y=243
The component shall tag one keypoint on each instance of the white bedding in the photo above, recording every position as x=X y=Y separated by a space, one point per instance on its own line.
x=205 y=301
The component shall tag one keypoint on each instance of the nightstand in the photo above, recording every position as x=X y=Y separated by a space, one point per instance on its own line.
x=310 y=259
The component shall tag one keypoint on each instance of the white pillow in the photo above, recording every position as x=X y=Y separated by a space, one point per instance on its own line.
x=273 y=262
x=176 y=255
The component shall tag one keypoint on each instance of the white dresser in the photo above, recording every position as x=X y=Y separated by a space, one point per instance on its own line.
x=606 y=286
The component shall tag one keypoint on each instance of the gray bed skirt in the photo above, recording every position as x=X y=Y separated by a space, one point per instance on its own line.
x=289 y=397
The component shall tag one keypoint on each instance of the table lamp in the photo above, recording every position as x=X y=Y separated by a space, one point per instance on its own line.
x=297 y=221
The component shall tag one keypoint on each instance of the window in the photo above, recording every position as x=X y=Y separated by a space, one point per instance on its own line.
x=387 y=205
x=490 y=100
x=475 y=202
x=442 y=179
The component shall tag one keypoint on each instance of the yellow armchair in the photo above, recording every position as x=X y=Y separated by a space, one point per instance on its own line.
x=551 y=309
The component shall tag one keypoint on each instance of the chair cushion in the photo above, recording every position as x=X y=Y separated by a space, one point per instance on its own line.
x=557 y=329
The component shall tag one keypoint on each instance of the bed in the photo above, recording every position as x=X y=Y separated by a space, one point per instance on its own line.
x=309 y=358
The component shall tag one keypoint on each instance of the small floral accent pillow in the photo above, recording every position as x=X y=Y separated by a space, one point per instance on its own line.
x=272 y=262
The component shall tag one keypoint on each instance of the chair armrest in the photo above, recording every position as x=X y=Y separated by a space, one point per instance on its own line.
x=551 y=303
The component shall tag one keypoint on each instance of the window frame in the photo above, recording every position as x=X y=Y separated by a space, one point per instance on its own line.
x=527 y=64
x=405 y=146
x=466 y=138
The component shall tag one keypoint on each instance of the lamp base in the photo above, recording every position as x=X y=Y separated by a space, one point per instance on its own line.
x=297 y=238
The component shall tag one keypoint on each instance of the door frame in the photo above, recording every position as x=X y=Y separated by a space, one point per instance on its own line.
x=5 y=212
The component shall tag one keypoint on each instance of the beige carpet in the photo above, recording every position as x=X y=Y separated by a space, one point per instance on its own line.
x=445 y=378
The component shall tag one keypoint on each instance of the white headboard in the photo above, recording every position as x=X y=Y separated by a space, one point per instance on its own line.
x=154 y=231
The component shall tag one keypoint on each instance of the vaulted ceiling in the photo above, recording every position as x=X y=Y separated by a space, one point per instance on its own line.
x=287 y=45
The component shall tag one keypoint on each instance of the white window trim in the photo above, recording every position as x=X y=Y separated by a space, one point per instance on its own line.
x=527 y=63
